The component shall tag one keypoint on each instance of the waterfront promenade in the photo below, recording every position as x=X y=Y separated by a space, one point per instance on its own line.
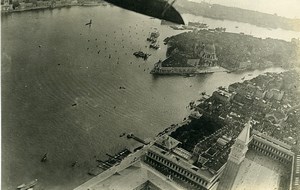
x=129 y=174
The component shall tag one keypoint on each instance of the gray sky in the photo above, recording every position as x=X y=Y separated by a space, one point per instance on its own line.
x=286 y=8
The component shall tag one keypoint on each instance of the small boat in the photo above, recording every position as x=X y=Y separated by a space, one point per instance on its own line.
x=74 y=164
x=122 y=135
x=152 y=39
x=89 y=23
x=122 y=87
x=21 y=186
x=27 y=186
x=198 y=24
x=189 y=75
x=220 y=29
x=44 y=159
x=153 y=36
x=154 y=45
x=130 y=135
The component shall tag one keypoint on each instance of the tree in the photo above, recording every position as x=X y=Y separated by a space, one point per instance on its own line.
x=34 y=2
x=15 y=4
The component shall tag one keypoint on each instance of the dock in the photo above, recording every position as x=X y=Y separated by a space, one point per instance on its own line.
x=113 y=160
x=132 y=136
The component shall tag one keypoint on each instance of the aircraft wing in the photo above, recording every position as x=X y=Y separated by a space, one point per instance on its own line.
x=160 y=9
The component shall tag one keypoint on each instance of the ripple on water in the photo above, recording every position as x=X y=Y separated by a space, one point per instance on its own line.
x=62 y=72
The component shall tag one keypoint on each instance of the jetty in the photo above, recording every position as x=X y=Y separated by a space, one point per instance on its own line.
x=112 y=161
x=132 y=136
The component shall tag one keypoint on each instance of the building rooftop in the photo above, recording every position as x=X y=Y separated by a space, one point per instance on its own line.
x=167 y=142
x=205 y=174
x=272 y=140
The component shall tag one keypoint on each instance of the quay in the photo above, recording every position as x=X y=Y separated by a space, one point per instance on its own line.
x=131 y=136
x=110 y=162
x=189 y=71
x=130 y=159
x=203 y=61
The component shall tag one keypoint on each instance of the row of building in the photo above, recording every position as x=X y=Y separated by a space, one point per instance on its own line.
x=182 y=169
x=204 y=57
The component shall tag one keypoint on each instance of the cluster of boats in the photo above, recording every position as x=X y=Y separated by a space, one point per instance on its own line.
x=190 y=26
x=198 y=24
x=154 y=45
x=111 y=161
x=30 y=185
x=220 y=29
x=153 y=39
x=181 y=27
x=141 y=54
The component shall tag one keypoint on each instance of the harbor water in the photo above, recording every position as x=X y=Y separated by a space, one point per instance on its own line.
x=61 y=91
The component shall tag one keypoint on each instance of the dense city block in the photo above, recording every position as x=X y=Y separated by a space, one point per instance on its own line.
x=271 y=100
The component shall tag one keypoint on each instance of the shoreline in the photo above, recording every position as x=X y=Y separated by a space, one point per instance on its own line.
x=189 y=74
x=240 y=15
x=134 y=157
x=61 y=66
x=50 y=8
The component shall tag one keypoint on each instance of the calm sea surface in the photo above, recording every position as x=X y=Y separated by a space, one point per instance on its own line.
x=60 y=91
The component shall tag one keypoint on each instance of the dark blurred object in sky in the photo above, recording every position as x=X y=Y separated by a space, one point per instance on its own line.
x=161 y=9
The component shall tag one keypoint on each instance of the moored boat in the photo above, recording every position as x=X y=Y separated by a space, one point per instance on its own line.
x=27 y=186
x=21 y=186
x=141 y=54
x=44 y=159
x=154 y=45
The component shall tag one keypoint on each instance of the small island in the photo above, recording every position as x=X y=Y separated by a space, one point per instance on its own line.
x=222 y=12
x=207 y=51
